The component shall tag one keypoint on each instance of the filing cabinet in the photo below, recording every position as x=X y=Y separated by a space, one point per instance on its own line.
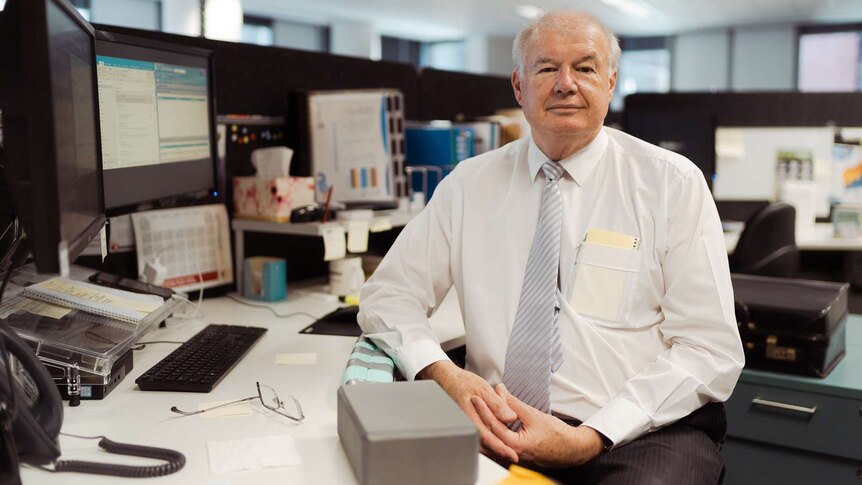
x=798 y=430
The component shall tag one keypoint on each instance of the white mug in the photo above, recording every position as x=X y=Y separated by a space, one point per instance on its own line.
x=346 y=276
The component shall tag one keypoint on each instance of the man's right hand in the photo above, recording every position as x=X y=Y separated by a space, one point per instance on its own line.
x=461 y=386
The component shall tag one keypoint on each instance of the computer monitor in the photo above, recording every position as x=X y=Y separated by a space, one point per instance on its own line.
x=51 y=128
x=157 y=115
x=689 y=133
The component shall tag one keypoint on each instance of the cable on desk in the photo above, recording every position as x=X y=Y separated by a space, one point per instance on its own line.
x=185 y=316
x=260 y=305
x=175 y=460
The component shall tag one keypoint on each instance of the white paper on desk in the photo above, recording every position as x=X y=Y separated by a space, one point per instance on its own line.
x=357 y=236
x=333 y=242
x=296 y=359
x=252 y=454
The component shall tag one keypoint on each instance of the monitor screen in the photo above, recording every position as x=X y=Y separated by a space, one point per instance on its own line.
x=157 y=123
x=689 y=133
x=48 y=100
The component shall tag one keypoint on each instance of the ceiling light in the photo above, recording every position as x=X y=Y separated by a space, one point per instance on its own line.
x=528 y=12
x=631 y=8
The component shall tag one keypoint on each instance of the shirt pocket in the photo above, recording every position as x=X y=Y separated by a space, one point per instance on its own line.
x=602 y=282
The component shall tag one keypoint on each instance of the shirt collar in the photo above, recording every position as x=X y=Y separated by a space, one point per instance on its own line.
x=579 y=165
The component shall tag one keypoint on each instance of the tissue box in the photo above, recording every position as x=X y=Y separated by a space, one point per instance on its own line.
x=271 y=198
x=406 y=432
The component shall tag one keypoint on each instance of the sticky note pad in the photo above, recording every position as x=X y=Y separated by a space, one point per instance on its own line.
x=334 y=246
x=380 y=224
x=296 y=359
x=357 y=236
x=612 y=239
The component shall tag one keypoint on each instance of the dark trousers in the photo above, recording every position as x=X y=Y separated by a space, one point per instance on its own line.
x=686 y=452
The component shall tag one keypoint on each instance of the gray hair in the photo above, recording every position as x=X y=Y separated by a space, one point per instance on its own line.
x=561 y=20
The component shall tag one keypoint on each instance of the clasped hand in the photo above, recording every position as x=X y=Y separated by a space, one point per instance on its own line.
x=542 y=439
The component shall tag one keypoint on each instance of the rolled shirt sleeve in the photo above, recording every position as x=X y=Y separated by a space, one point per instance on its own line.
x=412 y=279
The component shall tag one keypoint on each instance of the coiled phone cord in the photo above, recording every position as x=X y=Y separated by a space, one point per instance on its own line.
x=175 y=461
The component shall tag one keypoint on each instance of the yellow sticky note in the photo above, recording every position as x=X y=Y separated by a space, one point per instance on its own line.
x=612 y=239
x=296 y=359
x=523 y=476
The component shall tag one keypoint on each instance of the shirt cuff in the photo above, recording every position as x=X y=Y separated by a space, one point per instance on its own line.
x=416 y=356
x=621 y=421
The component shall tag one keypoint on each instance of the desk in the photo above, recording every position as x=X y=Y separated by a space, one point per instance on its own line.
x=818 y=445
x=818 y=238
x=130 y=415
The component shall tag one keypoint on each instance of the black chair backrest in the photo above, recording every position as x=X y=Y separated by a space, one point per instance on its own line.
x=767 y=245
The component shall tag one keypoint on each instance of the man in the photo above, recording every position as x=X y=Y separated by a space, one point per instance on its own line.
x=599 y=293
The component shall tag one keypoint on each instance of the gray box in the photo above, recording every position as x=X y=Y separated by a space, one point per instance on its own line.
x=406 y=432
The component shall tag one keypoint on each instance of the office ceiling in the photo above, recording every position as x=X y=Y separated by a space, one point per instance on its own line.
x=454 y=19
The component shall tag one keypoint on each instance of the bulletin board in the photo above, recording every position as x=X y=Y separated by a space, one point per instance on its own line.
x=357 y=144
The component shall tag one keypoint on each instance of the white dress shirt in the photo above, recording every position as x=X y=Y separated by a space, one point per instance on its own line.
x=649 y=333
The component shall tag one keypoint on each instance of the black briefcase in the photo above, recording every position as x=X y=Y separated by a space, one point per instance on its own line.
x=791 y=325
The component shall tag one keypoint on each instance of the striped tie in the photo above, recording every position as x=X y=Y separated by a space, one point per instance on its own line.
x=534 y=351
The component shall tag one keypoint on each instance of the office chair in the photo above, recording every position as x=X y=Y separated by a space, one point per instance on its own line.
x=767 y=245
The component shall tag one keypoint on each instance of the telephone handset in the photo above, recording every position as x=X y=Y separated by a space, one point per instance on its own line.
x=31 y=418
x=31 y=415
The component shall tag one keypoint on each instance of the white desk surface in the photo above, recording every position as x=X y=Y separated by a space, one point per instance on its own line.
x=133 y=416
x=818 y=238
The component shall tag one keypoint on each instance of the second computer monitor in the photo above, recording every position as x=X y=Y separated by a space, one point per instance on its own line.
x=50 y=129
x=157 y=113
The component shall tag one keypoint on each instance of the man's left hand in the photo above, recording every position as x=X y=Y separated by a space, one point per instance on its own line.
x=542 y=439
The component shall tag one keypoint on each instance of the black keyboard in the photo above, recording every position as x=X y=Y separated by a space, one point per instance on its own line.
x=200 y=363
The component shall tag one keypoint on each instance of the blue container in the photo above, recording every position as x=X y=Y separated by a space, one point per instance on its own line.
x=265 y=278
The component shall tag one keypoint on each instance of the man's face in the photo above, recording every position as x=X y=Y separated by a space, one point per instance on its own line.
x=565 y=89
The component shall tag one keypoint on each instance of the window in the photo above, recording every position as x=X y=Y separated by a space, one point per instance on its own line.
x=257 y=30
x=83 y=7
x=830 y=58
x=450 y=55
x=644 y=68
x=400 y=50
x=300 y=35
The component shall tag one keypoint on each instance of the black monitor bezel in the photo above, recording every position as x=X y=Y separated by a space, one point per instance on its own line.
x=26 y=115
x=187 y=198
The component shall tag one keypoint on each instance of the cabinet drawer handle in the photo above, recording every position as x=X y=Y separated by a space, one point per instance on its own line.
x=786 y=407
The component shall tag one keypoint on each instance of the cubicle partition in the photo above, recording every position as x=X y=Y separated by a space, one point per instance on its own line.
x=738 y=114
x=447 y=95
